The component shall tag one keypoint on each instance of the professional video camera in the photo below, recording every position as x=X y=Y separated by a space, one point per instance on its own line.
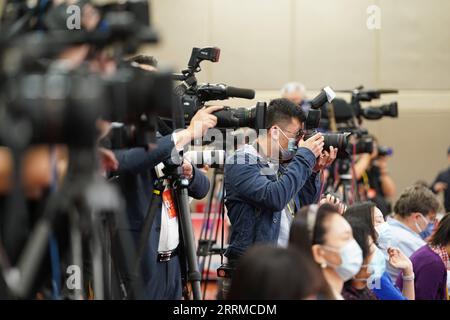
x=77 y=98
x=344 y=113
x=43 y=100
x=43 y=30
x=194 y=95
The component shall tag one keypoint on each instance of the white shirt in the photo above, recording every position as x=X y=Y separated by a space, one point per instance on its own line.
x=285 y=227
x=169 y=237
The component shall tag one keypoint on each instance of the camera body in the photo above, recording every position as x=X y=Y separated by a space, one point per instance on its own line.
x=313 y=120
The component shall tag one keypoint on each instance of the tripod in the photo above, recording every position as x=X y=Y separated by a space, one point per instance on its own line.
x=180 y=184
x=172 y=175
x=345 y=181
x=210 y=232
x=92 y=208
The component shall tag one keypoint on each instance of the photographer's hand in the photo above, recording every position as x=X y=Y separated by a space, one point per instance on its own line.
x=325 y=159
x=440 y=186
x=202 y=120
x=108 y=160
x=314 y=144
x=188 y=170
x=335 y=201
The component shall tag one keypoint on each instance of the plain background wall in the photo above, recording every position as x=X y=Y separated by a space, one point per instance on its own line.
x=266 y=43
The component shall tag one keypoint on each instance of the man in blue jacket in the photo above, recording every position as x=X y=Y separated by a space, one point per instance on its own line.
x=262 y=199
x=161 y=262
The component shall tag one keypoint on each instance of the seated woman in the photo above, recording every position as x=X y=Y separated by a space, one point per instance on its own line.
x=379 y=282
x=330 y=242
x=356 y=288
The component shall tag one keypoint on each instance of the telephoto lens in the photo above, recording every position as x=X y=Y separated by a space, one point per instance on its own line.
x=335 y=140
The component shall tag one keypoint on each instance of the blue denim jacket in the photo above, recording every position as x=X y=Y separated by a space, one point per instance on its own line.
x=255 y=196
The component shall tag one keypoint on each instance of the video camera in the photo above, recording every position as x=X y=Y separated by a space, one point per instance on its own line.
x=345 y=113
x=193 y=95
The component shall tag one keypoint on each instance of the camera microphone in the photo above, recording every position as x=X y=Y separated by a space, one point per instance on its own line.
x=240 y=92
x=211 y=91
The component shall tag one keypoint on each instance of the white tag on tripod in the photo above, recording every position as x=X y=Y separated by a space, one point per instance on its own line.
x=169 y=237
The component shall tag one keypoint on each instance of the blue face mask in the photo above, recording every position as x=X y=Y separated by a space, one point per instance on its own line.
x=291 y=150
x=428 y=231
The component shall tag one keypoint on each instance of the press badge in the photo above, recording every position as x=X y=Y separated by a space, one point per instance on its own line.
x=169 y=203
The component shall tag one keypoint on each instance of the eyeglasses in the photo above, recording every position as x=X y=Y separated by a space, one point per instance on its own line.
x=297 y=135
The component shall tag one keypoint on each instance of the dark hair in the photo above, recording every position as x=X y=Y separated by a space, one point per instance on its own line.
x=147 y=60
x=416 y=198
x=265 y=272
x=363 y=211
x=441 y=236
x=300 y=238
x=300 y=233
x=281 y=111
x=361 y=234
x=324 y=212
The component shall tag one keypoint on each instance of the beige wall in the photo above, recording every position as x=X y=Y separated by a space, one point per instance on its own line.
x=266 y=43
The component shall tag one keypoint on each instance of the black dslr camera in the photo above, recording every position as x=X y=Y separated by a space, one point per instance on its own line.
x=337 y=140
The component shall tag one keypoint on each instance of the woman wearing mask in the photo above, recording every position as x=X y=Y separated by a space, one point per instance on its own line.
x=432 y=265
x=334 y=249
x=379 y=281
x=357 y=287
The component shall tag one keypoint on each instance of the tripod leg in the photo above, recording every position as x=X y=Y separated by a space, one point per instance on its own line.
x=77 y=250
x=194 y=276
x=213 y=236
x=97 y=258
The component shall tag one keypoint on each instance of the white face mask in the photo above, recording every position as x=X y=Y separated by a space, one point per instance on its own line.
x=351 y=260
x=384 y=236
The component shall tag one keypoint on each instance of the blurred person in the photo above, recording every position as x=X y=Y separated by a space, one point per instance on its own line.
x=414 y=212
x=371 y=169
x=269 y=273
x=432 y=265
x=371 y=219
x=296 y=92
x=441 y=184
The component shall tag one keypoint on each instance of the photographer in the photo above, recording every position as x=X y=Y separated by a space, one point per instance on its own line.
x=371 y=169
x=262 y=200
x=161 y=263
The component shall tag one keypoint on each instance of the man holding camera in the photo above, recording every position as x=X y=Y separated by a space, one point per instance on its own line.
x=261 y=199
x=160 y=261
